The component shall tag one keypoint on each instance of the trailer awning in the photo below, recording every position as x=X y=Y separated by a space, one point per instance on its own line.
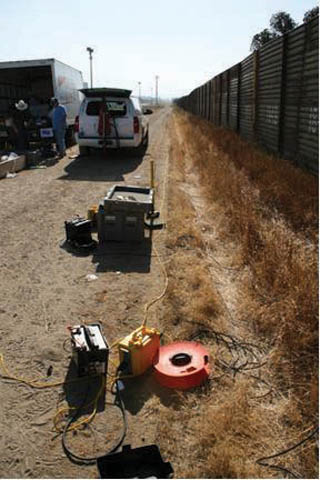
x=106 y=92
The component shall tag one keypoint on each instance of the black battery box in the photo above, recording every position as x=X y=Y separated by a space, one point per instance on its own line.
x=78 y=231
x=90 y=350
x=142 y=462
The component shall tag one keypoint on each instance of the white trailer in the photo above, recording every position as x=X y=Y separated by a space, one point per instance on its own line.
x=36 y=82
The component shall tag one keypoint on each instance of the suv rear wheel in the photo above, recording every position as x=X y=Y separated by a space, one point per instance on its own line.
x=145 y=141
x=142 y=148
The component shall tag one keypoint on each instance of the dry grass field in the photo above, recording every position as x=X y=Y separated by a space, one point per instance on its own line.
x=243 y=280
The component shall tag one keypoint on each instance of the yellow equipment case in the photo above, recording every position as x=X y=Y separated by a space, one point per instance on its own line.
x=138 y=350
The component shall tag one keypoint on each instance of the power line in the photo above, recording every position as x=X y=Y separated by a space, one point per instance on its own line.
x=157 y=79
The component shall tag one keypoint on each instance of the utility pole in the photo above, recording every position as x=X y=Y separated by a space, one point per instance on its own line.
x=90 y=50
x=157 y=78
x=139 y=83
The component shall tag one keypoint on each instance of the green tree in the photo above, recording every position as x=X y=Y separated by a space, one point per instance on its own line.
x=260 y=39
x=311 y=14
x=281 y=23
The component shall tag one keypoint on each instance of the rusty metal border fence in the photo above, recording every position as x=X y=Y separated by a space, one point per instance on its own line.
x=271 y=97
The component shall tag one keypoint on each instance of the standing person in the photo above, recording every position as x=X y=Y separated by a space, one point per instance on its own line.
x=19 y=120
x=59 y=124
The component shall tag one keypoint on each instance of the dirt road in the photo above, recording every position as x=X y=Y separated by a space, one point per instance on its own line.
x=44 y=289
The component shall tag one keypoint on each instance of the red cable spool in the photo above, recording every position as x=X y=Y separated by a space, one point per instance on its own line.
x=182 y=365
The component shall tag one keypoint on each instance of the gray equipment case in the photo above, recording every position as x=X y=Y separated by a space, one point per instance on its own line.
x=122 y=213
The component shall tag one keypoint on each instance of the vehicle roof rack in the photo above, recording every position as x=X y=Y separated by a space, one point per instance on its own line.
x=106 y=92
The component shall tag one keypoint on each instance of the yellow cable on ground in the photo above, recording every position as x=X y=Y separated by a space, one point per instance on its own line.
x=35 y=383
x=42 y=385
x=61 y=411
x=112 y=362
x=31 y=383
x=162 y=294
x=114 y=344
x=76 y=425
x=164 y=291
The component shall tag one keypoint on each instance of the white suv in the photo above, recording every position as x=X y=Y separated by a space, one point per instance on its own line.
x=110 y=118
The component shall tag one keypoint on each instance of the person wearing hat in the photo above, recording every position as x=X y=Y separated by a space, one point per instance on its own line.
x=59 y=124
x=19 y=121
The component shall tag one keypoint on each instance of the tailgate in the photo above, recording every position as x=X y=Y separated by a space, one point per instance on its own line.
x=121 y=114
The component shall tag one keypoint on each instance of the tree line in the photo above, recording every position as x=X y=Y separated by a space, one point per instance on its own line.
x=280 y=23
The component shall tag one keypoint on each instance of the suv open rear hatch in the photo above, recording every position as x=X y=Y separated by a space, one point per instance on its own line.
x=106 y=92
x=107 y=119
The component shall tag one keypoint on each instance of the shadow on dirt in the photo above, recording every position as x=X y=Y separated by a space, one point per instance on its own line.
x=123 y=257
x=80 y=392
x=78 y=252
x=98 y=167
x=139 y=389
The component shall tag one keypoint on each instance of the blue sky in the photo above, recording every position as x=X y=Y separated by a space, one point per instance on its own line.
x=184 y=42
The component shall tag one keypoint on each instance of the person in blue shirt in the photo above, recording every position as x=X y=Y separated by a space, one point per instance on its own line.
x=59 y=125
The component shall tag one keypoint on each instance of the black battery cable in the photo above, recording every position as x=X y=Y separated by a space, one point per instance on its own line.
x=262 y=461
x=92 y=460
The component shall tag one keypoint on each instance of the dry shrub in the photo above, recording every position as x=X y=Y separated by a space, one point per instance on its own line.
x=240 y=431
x=283 y=187
x=231 y=435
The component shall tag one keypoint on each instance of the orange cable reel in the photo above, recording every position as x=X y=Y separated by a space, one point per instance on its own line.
x=182 y=365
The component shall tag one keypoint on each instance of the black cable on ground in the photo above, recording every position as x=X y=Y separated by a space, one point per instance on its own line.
x=74 y=246
x=91 y=460
x=245 y=354
x=261 y=461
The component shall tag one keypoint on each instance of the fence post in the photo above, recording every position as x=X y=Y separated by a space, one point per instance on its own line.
x=209 y=100
x=220 y=98
x=238 y=98
x=297 y=158
x=228 y=96
x=203 y=101
x=198 y=101
x=255 y=91
x=216 y=106
x=283 y=94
